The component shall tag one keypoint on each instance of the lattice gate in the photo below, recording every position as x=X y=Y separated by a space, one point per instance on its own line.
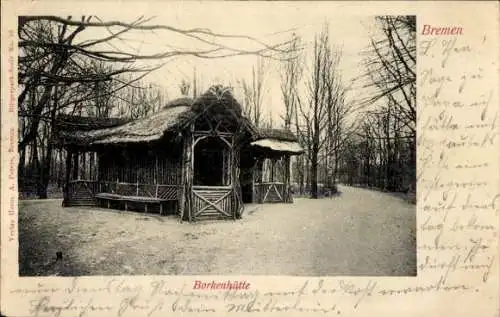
x=271 y=192
x=212 y=202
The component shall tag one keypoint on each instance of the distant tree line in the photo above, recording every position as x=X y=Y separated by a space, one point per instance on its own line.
x=381 y=152
x=369 y=142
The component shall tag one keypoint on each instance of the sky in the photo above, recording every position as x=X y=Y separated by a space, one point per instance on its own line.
x=271 y=24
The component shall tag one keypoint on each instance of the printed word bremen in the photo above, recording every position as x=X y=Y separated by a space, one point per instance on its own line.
x=234 y=285
x=447 y=30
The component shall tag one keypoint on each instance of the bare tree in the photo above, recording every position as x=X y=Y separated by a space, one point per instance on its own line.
x=388 y=128
x=325 y=95
x=59 y=71
x=254 y=92
x=391 y=67
x=54 y=39
x=291 y=73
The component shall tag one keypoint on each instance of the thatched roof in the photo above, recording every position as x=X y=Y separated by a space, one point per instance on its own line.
x=183 y=101
x=279 y=146
x=277 y=134
x=176 y=114
x=81 y=123
x=140 y=130
x=278 y=140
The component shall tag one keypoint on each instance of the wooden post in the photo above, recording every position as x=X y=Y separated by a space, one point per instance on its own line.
x=273 y=163
x=224 y=167
x=237 y=205
x=254 y=181
x=232 y=181
x=155 y=172
x=186 y=175
x=181 y=205
x=91 y=165
x=84 y=165
x=76 y=165
x=99 y=171
x=259 y=166
x=189 y=171
x=287 y=197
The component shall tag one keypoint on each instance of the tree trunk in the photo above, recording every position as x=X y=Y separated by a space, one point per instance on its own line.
x=66 y=178
x=35 y=165
x=22 y=164
x=45 y=173
x=314 y=172
x=22 y=155
x=308 y=177
x=302 y=168
x=47 y=161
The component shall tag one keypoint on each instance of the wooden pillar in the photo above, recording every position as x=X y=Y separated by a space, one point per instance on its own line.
x=99 y=168
x=273 y=163
x=76 y=165
x=155 y=171
x=237 y=206
x=99 y=171
x=181 y=198
x=257 y=180
x=84 y=165
x=287 y=194
x=189 y=171
x=91 y=165
x=185 y=204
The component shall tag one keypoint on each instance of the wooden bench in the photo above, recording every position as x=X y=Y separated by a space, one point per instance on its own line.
x=123 y=195
x=128 y=199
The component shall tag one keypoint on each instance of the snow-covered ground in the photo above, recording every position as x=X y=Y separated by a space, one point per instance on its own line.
x=359 y=232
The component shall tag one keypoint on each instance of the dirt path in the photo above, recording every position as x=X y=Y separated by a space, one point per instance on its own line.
x=360 y=232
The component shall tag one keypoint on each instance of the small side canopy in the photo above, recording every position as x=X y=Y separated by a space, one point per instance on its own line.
x=278 y=140
x=279 y=146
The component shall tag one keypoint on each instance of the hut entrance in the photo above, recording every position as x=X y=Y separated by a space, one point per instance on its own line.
x=211 y=162
x=212 y=179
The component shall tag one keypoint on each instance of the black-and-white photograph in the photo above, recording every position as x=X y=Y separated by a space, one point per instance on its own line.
x=264 y=143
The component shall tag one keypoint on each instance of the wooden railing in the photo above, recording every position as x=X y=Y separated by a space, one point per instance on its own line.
x=270 y=192
x=161 y=191
x=208 y=202
x=82 y=192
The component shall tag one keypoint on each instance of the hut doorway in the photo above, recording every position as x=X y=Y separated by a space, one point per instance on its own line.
x=212 y=190
x=211 y=162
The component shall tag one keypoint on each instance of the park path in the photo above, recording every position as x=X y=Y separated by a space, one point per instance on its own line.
x=359 y=232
